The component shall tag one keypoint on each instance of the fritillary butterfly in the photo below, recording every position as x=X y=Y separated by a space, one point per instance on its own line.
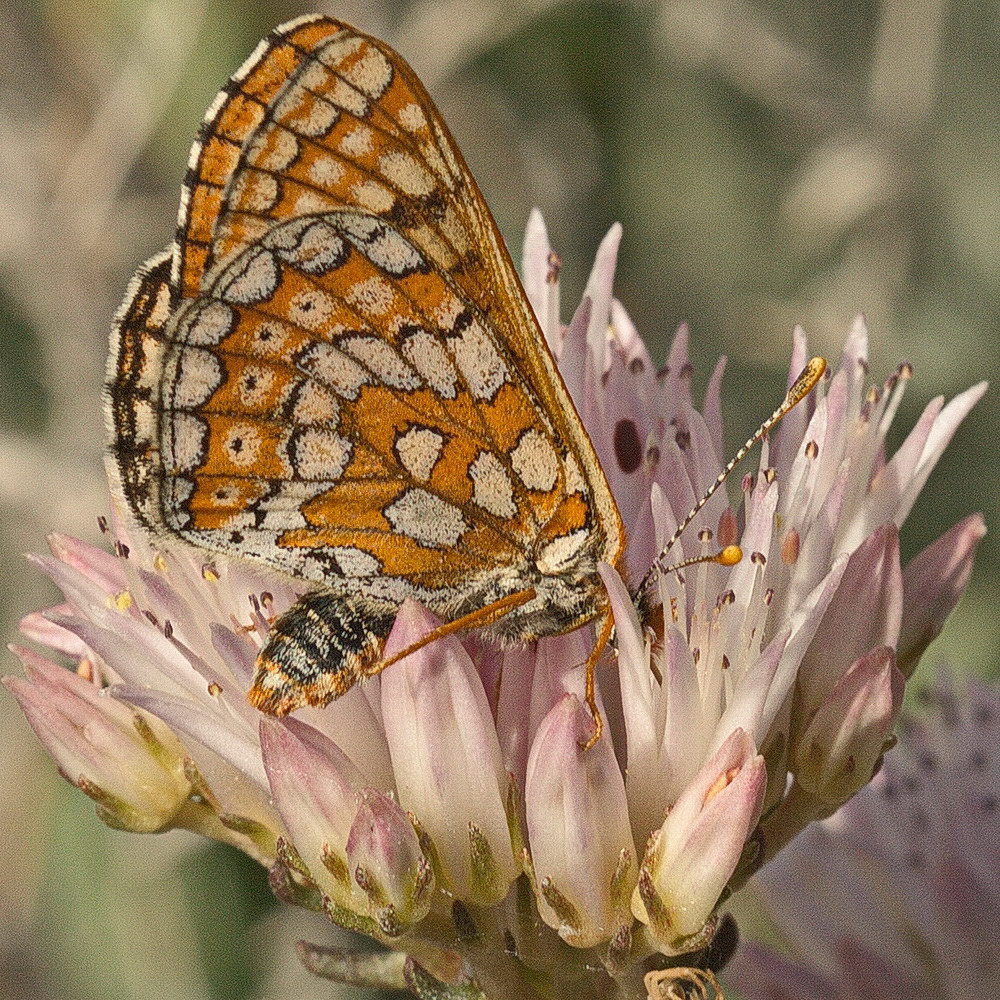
x=334 y=370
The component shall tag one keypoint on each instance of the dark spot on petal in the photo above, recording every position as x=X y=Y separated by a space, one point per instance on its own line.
x=628 y=447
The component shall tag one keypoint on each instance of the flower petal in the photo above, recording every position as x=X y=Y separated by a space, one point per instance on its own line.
x=581 y=847
x=446 y=757
x=933 y=582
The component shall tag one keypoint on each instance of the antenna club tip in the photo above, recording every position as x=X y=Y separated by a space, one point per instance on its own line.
x=806 y=382
x=729 y=556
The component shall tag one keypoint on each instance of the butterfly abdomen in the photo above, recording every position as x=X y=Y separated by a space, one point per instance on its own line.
x=316 y=651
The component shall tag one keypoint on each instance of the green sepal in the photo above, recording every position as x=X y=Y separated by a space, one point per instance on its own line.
x=420 y=982
x=373 y=969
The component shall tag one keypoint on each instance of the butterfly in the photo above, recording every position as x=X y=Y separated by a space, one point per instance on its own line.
x=334 y=371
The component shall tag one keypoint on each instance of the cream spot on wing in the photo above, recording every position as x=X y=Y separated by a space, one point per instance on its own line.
x=349 y=98
x=286 y=519
x=273 y=149
x=314 y=75
x=392 y=253
x=186 y=443
x=448 y=312
x=380 y=243
x=357 y=142
x=418 y=450
x=426 y=519
x=406 y=173
x=491 y=487
x=268 y=339
x=335 y=369
x=310 y=308
x=370 y=73
x=482 y=368
x=312 y=116
x=372 y=296
x=315 y=405
x=223 y=497
x=355 y=562
x=252 y=279
x=312 y=202
x=198 y=375
x=562 y=552
x=254 y=191
x=314 y=247
x=427 y=354
x=209 y=324
x=318 y=453
x=374 y=196
x=161 y=307
x=340 y=46
x=535 y=462
x=412 y=117
x=242 y=444
x=382 y=359
x=575 y=482
x=326 y=170
x=322 y=118
x=256 y=385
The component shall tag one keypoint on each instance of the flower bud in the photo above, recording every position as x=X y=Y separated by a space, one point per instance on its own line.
x=691 y=857
x=129 y=762
x=313 y=785
x=844 y=740
x=865 y=613
x=933 y=582
x=386 y=862
x=446 y=757
x=582 y=852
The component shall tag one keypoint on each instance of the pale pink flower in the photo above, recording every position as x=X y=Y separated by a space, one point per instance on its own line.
x=895 y=896
x=447 y=808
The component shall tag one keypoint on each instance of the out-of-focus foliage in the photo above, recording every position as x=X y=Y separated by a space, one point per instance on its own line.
x=772 y=163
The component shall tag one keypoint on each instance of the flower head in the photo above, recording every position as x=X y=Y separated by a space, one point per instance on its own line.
x=896 y=895
x=447 y=807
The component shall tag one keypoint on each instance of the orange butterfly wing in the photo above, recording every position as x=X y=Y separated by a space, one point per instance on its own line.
x=342 y=376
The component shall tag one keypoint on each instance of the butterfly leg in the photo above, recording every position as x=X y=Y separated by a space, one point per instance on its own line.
x=590 y=684
x=474 y=619
x=316 y=651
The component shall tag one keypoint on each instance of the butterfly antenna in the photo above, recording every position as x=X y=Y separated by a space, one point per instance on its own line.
x=798 y=391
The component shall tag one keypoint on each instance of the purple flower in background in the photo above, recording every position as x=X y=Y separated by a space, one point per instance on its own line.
x=446 y=808
x=896 y=896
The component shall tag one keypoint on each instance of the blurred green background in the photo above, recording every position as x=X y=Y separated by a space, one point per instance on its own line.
x=771 y=162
